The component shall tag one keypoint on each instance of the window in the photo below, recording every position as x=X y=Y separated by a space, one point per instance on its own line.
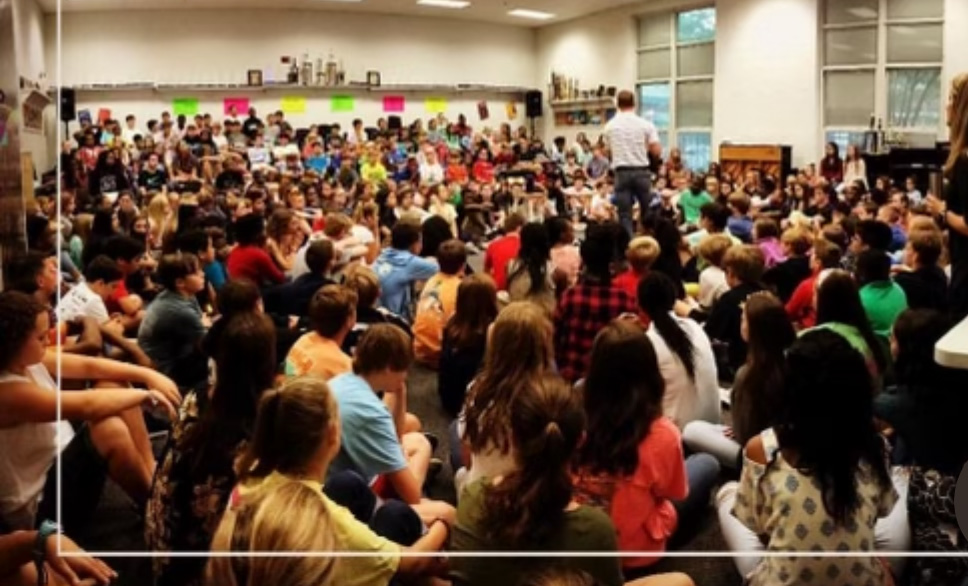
x=676 y=64
x=882 y=59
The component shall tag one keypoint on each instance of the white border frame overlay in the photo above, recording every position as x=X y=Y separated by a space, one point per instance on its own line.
x=360 y=554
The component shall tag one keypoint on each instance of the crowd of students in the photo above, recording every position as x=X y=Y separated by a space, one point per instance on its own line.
x=261 y=293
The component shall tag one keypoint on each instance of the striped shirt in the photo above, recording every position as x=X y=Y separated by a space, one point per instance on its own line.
x=628 y=136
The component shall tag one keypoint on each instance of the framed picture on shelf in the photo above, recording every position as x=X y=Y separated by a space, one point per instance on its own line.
x=255 y=77
x=373 y=78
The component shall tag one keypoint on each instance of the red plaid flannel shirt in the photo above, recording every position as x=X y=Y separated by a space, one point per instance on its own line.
x=582 y=312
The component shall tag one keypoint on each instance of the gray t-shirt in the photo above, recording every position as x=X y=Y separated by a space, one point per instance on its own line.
x=170 y=335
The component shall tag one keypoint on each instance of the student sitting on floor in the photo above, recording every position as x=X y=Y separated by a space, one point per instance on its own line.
x=297 y=436
x=249 y=259
x=399 y=267
x=365 y=283
x=293 y=299
x=112 y=441
x=924 y=282
x=631 y=464
x=194 y=479
x=172 y=330
x=882 y=298
x=288 y=517
x=757 y=393
x=800 y=308
x=465 y=341
x=712 y=279
x=531 y=505
x=784 y=277
x=825 y=468
x=87 y=298
x=19 y=553
x=641 y=253
x=438 y=302
x=379 y=440
x=332 y=314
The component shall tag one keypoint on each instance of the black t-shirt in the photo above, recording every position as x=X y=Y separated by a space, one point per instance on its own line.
x=251 y=126
x=229 y=179
x=153 y=180
x=957 y=199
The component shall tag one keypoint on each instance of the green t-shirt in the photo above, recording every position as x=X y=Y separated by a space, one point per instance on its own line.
x=691 y=203
x=585 y=529
x=883 y=301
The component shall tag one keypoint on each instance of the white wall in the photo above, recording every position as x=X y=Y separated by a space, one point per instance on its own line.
x=204 y=46
x=31 y=63
x=767 y=86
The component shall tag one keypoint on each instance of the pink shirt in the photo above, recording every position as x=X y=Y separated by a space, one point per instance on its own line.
x=567 y=259
x=641 y=505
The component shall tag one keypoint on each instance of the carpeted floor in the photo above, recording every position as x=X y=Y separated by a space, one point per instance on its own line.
x=119 y=526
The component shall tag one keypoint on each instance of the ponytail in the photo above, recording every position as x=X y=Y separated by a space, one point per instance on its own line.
x=529 y=504
x=260 y=458
x=657 y=297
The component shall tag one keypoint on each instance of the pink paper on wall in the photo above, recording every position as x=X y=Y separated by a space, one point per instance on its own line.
x=241 y=105
x=394 y=103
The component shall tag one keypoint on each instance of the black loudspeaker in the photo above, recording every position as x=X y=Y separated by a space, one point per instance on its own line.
x=394 y=123
x=68 y=109
x=533 y=104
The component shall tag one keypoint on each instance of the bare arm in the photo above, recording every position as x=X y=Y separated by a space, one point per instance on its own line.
x=433 y=541
x=24 y=402
x=406 y=486
x=396 y=402
x=87 y=368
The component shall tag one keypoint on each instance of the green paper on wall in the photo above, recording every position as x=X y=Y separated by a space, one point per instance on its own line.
x=185 y=106
x=342 y=104
x=294 y=104
x=436 y=105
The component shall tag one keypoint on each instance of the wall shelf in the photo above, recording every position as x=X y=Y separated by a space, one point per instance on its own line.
x=608 y=102
x=238 y=87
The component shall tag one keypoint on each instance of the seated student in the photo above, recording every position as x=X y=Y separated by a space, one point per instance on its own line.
x=531 y=505
x=766 y=234
x=399 y=268
x=195 y=477
x=503 y=250
x=641 y=254
x=713 y=219
x=565 y=256
x=869 y=234
x=379 y=441
x=288 y=517
x=712 y=279
x=296 y=437
x=800 y=307
x=465 y=340
x=111 y=441
x=890 y=214
x=249 y=259
x=585 y=308
x=744 y=272
x=757 y=393
x=293 y=298
x=519 y=351
x=787 y=275
x=437 y=303
x=924 y=282
x=128 y=253
x=740 y=224
x=365 y=283
x=692 y=200
x=199 y=242
x=332 y=313
x=631 y=464
x=882 y=298
x=825 y=468
x=839 y=308
x=685 y=355
x=531 y=276
x=20 y=550
x=173 y=327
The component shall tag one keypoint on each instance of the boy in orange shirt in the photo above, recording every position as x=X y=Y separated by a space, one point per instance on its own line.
x=332 y=314
x=438 y=302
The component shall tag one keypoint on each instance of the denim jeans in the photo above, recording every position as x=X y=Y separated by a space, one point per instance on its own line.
x=392 y=519
x=702 y=474
x=631 y=186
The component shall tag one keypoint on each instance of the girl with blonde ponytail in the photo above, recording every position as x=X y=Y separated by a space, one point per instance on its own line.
x=296 y=437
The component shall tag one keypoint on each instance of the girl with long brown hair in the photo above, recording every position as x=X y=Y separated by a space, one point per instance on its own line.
x=520 y=350
x=465 y=339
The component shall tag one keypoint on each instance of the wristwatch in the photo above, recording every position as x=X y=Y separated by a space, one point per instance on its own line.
x=47 y=528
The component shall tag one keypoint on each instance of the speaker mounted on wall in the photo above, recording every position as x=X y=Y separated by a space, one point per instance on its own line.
x=68 y=106
x=534 y=104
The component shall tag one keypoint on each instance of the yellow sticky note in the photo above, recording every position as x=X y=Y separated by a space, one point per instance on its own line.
x=294 y=104
x=436 y=105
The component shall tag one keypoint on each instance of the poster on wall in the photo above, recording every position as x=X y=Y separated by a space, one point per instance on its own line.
x=185 y=106
x=103 y=115
x=436 y=105
x=512 y=110
x=293 y=105
x=482 y=110
x=342 y=104
x=241 y=106
x=33 y=107
x=84 y=117
x=394 y=103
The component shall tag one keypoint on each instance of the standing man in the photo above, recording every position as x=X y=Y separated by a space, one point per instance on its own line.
x=631 y=139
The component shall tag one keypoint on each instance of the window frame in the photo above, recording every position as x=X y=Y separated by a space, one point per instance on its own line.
x=674 y=46
x=881 y=68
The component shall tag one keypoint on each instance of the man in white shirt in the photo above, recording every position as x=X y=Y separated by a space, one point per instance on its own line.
x=431 y=171
x=130 y=130
x=631 y=139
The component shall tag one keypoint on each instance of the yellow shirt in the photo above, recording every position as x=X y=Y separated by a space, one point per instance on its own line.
x=314 y=354
x=375 y=173
x=351 y=535
x=437 y=304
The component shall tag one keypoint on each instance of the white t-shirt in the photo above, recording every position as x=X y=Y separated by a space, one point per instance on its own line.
x=431 y=174
x=80 y=301
x=28 y=451
x=688 y=400
x=712 y=285
x=629 y=136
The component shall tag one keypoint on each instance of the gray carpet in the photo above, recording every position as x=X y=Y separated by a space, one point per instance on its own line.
x=119 y=527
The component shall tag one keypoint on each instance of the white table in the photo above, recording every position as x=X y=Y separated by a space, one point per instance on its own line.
x=952 y=349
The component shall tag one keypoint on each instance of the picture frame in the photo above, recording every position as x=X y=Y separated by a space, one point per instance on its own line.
x=373 y=78
x=255 y=77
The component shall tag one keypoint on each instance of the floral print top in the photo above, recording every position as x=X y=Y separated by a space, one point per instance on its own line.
x=186 y=505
